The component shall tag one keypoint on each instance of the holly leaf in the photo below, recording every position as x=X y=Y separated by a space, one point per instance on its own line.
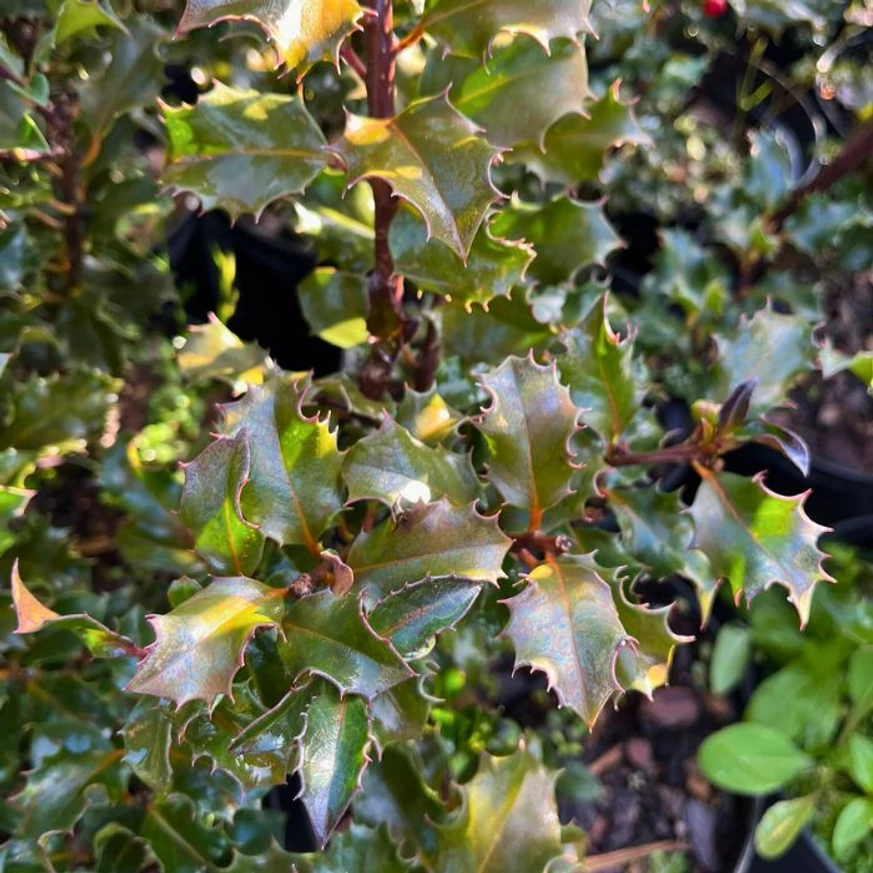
x=599 y=370
x=428 y=540
x=83 y=17
x=769 y=347
x=754 y=538
x=400 y=713
x=148 y=734
x=199 y=646
x=431 y=156
x=566 y=234
x=504 y=97
x=394 y=467
x=574 y=148
x=412 y=617
x=301 y=33
x=33 y=617
x=508 y=819
x=527 y=429
x=493 y=265
x=335 y=305
x=240 y=150
x=656 y=532
x=294 y=487
x=470 y=28
x=565 y=624
x=427 y=416
x=333 y=756
x=357 y=848
x=330 y=636
x=211 y=351
x=211 y=508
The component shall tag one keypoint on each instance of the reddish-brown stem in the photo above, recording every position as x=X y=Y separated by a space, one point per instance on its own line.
x=410 y=39
x=534 y=541
x=616 y=457
x=350 y=56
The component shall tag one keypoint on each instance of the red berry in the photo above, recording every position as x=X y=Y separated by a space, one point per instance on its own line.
x=715 y=8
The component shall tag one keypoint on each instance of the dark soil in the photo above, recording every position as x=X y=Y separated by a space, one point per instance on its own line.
x=835 y=416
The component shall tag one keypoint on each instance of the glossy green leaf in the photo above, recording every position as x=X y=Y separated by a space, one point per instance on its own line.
x=427 y=416
x=357 y=848
x=199 y=646
x=781 y=825
x=180 y=840
x=329 y=636
x=731 y=656
x=565 y=624
x=493 y=265
x=433 y=157
x=394 y=467
x=294 y=486
x=859 y=364
x=656 y=532
x=771 y=348
x=750 y=759
x=508 y=821
x=148 y=734
x=333 y=756
x=81 y=18
x=301 y=33
x=566 y=234
x=471 y=27
x=853 y=824
x=754 y=538
x=132 y=78
x=575 y=147
x=599 y=370
x=211 y=351
x=240 y=150
x=504 y=97
x=400 y=713
x=428 y=540
x=33 y=617
x=527 y=429
x=211 y=508
x=335 y=306
x=412 y=616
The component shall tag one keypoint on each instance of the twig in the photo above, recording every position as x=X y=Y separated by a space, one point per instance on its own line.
x=350 y=56
x=617 y=457
x=619 y=858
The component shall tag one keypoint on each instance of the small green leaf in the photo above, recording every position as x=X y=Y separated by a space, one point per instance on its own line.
x=240 y=150
x=565 y=624
x=302 y=34
x=575 y=147
x=493 y=265
x=730 y=658
x=432 y=156
x=750 y=759
x=82 y=17
x=471 y=28
x=333 y=756
x=853 y=825
x=860 y=364
x=411 y=617
x=199 y=645
x=598 y=368
x=435 y=540
x=211 y=508
x=527 y=430
x=329 y=636
x=294 y=487
x=148 y=733
x=861 y=762
x=782 y=824
x=754 y=538
x=860 y=676
x=427 y=416
x=33 y=617
x=392 y=466
x=508 y=820
x=566 y=234
x=335 y=305
x=211 y=351
x=504 y=97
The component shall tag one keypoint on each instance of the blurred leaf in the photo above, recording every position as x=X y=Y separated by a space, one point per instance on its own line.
x=731 y=656
x=240 y=150
x=471 y=30
x=211 y=351
x=400 y=713
x=429 y=540
x=427 y=416
x=781 y=825
x=211 y=508
x=861 y=762
x=81 y=18
x=357 y=848
x=433 y=157
x=754 y=538
x=335 y=306
x=392 y=466
x=854 y=824
x=12 y=504
x=199 y=645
